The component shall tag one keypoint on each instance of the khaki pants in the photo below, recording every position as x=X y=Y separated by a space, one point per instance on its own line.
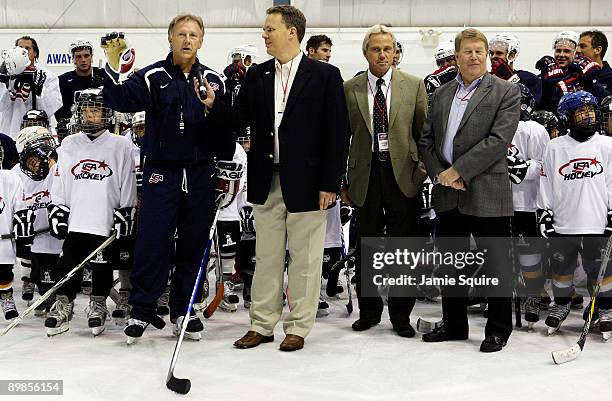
x=304 y=233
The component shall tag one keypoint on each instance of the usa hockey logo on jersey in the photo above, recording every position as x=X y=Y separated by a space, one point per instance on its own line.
x=36 y=200
x=90 y=169
x=580 y=168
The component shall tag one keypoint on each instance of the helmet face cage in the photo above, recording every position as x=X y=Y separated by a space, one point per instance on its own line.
x=34 y=159
x=92 y=117
x=579 y=110
x=548 y=120
x=35 y=118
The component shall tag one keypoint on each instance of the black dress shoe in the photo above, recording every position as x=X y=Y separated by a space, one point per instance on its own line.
x=365 y=323
x=404 y=330
x=442 y=333
x=492 y=343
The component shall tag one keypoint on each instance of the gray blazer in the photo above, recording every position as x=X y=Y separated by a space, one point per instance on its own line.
x=479 y=148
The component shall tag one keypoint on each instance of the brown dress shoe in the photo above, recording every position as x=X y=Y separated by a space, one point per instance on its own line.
x=252 y=339
x=292 y=343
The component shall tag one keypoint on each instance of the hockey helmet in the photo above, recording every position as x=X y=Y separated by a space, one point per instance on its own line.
x=35 y=118
x=34 y=159
x=80 y=44
x=92 y=116
x=15 y=60
x=445 y=52
x=566 y=37
x=579 y=112
x=33 y=134
x=138 y=127
x=548 y=120
x=509 y=42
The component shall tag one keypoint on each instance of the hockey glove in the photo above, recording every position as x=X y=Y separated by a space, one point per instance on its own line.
x=228 y=175
x=550 y=69
x=58 y=220
x=517 y=169
x=124 y=220
x=38 y=81
x=21 y=88
x=120 y=57
x=569 y=83
x=346 y=213
x=23 y=226
x=502 y=69
x=585 y=68
x=138 y=179
x=608 y=230
x=545 y=223
x=246 y=220
x=439 y=77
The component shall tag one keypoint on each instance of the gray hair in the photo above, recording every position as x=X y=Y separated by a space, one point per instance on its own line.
x=375 y=30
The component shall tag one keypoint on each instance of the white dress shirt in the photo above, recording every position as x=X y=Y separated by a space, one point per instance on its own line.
x=285 y=74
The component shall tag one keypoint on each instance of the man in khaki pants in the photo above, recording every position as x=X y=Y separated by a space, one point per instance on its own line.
x=296 y=109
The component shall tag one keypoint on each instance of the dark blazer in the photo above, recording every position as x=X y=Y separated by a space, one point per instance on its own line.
x=479 y=148
x=311 y=134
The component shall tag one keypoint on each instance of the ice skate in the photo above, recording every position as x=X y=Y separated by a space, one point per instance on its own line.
x=605 y=323
x=122 y=309
x=134 y=329
x=27 y=291
x=532 y=311
x=59 y=316
x=8 y=305
x=162 y=303
x=97 y=313
x=230 y=300
x=557 y=315
x=194 y=327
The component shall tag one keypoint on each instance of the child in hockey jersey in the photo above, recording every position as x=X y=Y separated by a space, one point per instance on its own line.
x=524 y=166
x=575 y=199
x=11 y=191
x=36 y=168
x=93 y=192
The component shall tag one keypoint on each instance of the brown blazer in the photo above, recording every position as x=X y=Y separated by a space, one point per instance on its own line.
x=407 y=116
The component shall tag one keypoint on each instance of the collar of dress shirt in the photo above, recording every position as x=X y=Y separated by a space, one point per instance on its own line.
x=471 y=86
x=373 y=78
x=296 y=61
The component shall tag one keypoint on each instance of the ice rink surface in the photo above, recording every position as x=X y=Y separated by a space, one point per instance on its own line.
x=336 y=364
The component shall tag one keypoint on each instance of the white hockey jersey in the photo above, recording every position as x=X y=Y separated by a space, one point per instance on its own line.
x=530 y=140
x=11 y=191
x=37 y=196
x=576 y=184
x=13 y=108
x=232 y=211
x=93 y=178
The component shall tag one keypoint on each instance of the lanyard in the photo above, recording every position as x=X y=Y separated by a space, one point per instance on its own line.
x=463 y=99
x=285 y=86
x=385 y=97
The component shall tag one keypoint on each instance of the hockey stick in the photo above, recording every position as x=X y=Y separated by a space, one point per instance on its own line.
x=515 y=273
x=12 y=236
x=61 y=282
x=220 y=287
x=569 y=354
x=182 y=386
x=340 y=264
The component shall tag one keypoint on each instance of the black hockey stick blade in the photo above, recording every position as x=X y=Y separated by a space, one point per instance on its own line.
x=181 y=386
x=349 y=307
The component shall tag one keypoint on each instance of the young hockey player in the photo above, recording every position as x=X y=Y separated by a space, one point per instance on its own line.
x=94 y=192
x=11 y=191
x=524 y=166
x=447 y=67
x=36 y=168
x=575 y=199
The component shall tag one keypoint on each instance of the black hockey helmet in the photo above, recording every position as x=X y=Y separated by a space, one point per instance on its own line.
x=34 y=118
x=34 y=159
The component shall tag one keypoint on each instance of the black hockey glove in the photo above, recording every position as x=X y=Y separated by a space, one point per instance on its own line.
x=550 y=69
x=124 y=220
x=426 y=196
x=501 y=69
x=23 y=226
x=585 y=68
x=246 y=220
x=545 y=223
x=58 y=220
x=569 y=83
x=38 y=81
x=439 y=77
x=517 y=169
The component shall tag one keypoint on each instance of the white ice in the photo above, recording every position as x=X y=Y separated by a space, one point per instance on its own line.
x=336 y=364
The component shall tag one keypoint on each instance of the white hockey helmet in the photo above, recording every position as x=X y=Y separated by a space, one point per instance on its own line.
x=243 y=51
x=566 y=36
x=139 y=118
x=16 y=60
x=444 y=50
x=80 y=44
x=507 y=40
x=33 y=134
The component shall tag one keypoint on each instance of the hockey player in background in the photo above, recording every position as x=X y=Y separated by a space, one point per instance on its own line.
x=503 y=51
x=525 y=154
x=447 y=67
x=575 y=199
x=95 y=172
x=548 y=120
x=36 y=168
x=594 y=45
x=606 y=116
x=11 y=191
x=26 y=87
x=84 y=76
